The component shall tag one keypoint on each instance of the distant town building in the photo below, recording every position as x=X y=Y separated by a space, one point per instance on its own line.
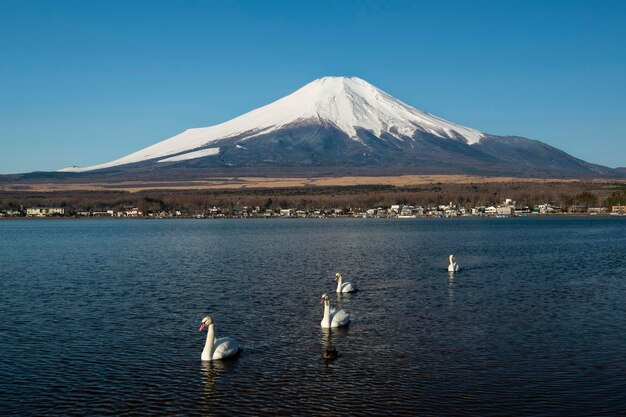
x=132 y=212
x=522 y=210
x=547 y=208
x=11 y=213
x=45 y=211
x=618 y=210
x=478 y=211
x=577 y=208
x=108 y=213
x=286 y=212
x=505 y=210
x=596 y=210
x=491 y=210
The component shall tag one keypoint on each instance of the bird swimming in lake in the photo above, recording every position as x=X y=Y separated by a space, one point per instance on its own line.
x=344 y=286
x=216 y=349
x=453 y=267
x=333 y=317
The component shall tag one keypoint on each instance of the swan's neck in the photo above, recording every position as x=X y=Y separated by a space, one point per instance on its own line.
x=339 y=283
x=326 y=318
x=207 y=352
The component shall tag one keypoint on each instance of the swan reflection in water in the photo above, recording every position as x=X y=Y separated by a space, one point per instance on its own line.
x=329 y=351
x=339 y=300
x=451 y=288
x=345 y=296
x=211 y=373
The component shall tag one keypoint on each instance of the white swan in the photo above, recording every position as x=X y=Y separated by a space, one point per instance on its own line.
x=453 y=267
x=333 y=317
x=344 y=286
x=215 y=349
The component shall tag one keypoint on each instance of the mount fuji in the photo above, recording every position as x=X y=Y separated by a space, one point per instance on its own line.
x=345 y=125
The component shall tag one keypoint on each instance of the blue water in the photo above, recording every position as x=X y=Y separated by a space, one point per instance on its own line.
x=101 y=317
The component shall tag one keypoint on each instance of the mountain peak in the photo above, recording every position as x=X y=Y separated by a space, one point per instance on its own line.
x=340 y=81
x=351 y=103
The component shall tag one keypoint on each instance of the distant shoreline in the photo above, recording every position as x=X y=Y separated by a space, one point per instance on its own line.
x=285 y=218
x=423 y=195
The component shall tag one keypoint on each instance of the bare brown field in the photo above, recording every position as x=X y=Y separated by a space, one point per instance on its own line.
x=241 y=183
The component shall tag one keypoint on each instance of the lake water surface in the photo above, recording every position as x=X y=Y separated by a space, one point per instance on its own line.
x=101 y=317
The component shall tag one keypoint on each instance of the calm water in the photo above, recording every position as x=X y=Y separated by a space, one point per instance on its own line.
x=102 y=317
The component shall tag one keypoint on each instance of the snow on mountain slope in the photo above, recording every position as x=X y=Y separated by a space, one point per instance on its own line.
x=192 y=155
x=346 y=103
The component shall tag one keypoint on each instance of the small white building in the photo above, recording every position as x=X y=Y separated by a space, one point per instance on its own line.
x=44 y=211
x=408 y=211
x=395 y=208
x=451 y=212
x=547 y=208
x=436 y=213
x=133 y=212
x=108 y=213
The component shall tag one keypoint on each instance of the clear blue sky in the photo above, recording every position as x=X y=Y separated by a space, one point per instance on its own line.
x=85 y=82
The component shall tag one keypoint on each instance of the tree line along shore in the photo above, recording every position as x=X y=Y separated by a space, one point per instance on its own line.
x=563 y=197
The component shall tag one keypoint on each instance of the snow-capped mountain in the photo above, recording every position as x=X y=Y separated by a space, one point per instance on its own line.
x=348 y=104
x=340 y=121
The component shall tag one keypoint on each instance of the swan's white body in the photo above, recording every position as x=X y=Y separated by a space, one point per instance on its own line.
x=453 y=267
x=216 y=349
x=333 y=317
x=344 y=286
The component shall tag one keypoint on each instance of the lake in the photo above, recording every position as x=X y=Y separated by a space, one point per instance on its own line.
x=102 y=317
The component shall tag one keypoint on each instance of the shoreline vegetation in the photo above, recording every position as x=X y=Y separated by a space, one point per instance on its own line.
x=400 y=196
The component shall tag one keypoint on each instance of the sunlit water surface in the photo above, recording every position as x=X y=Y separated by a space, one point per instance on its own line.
x=101 y=317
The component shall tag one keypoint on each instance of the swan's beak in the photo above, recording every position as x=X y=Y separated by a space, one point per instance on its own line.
x=202 y=326
x=322 y=301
